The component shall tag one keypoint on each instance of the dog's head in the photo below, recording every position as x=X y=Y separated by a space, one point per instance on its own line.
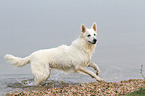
x=89 y=35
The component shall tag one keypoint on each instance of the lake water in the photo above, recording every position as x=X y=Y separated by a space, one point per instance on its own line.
x=27 y=26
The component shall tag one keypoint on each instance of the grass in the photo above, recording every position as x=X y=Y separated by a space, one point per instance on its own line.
x=140 y=92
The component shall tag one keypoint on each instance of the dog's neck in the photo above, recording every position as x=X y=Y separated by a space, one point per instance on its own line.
x=85 y=46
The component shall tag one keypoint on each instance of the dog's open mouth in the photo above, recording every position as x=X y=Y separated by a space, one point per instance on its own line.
x=92 y=42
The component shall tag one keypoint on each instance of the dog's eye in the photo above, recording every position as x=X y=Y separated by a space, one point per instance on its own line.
x=89 y=35
x=94 y=34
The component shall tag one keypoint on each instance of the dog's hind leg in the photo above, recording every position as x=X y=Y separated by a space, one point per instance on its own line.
x=88 y=72
x=93 y=65
x=40 y=71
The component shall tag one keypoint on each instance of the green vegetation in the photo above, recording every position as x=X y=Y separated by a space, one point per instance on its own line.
x=140 y=92
x=141 y=72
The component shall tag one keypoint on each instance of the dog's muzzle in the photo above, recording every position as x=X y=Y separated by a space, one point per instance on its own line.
x=94 y=41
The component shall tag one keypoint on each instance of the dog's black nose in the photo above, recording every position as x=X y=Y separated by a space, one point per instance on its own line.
x=94 y=40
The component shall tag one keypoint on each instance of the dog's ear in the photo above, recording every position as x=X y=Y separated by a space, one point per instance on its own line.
x=83 y=28
x=94 y=26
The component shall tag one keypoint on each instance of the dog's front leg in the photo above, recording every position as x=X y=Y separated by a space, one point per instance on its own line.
x=88 y=72
x=93 y=65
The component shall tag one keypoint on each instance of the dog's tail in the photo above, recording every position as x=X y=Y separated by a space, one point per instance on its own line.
x=17 y=61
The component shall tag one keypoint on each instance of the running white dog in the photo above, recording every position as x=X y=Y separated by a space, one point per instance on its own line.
x=75 y=57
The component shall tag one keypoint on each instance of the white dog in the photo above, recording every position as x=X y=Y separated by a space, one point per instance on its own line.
x=75 y=57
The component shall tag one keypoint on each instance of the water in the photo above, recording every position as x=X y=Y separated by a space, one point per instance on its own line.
x=27 y=26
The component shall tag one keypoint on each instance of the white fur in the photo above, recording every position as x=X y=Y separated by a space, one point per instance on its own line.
x=75 y=57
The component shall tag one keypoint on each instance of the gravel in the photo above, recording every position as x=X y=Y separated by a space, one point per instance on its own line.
x=90 y=89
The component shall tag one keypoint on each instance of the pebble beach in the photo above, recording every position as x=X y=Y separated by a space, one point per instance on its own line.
x=85 y=89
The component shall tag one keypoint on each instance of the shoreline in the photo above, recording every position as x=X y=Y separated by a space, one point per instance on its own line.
x=93 y=88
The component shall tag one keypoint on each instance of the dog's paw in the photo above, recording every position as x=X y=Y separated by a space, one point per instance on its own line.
x=100 y=80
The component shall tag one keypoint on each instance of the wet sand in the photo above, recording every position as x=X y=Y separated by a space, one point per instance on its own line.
x=51 y=88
